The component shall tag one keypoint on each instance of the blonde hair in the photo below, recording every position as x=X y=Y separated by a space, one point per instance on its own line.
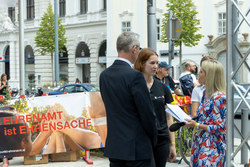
x=215 y=77
x=204 y=58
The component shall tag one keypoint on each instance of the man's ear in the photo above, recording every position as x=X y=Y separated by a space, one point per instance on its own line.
x=134 y=49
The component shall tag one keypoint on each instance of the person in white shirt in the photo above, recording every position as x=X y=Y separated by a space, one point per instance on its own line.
x=196 y=98
x=198 y=91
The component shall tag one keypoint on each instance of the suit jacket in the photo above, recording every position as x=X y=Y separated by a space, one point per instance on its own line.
x=131 y=119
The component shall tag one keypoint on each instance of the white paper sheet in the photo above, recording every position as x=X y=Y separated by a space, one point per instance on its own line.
x=177 y=113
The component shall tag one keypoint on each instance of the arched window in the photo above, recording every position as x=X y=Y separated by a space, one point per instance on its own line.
x=102 y=53
x=63 y=65
x=63 y=56
x=83 y=61
x=7 y=62
x=7 y=54
x=29 y=68
x=102 y=50
x=82 y=50
x=29 y=55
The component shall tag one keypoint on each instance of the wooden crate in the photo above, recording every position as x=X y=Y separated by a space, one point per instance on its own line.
x=65 y=156
x=36 y=159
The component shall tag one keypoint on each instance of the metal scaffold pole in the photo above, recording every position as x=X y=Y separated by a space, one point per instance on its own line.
x=170 y=50
x=56 y=43
x=235 y=61
x=21 y=49
x=229 y=85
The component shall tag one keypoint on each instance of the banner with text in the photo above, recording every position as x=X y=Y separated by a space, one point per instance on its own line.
x=52 y=124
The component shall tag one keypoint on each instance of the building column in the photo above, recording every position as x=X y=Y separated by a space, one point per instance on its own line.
x=14 y=75
x=71 y=60
x=92 y=43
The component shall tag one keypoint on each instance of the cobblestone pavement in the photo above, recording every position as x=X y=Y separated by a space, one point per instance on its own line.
x=99 y=161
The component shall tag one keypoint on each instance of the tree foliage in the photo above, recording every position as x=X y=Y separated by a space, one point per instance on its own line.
x=6 y=91
x=45 y=36
x=185 y=12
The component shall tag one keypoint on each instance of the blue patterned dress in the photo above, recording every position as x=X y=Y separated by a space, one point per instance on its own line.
x=209 y=147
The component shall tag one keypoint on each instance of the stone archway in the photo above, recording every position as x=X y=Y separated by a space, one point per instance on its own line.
x=217 y=49
x=6 y=60
x=82 y=60
x=64 y=66
x=216 y=46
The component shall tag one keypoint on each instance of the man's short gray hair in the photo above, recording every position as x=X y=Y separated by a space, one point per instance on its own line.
x=126 y=41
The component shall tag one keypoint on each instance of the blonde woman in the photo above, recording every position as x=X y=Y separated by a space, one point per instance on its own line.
x=209 y=140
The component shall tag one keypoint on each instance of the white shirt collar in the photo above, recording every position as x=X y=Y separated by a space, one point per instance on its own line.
x=125 y=60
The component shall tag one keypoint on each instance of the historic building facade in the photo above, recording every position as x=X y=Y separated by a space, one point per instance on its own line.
x=212 y=16
x=85 y=50
x=92 y=27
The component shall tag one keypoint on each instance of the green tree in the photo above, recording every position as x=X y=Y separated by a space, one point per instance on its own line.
x=184 y=10
x=45 y=41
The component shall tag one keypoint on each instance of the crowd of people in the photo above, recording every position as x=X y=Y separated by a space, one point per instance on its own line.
x=136 y=96
x=135 y=91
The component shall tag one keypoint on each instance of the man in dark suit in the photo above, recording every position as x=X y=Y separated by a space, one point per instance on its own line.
x=131 y=120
